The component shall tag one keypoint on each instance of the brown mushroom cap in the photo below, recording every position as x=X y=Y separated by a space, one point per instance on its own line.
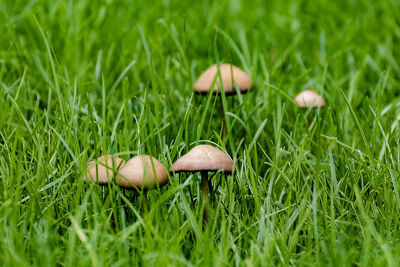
x=203 y=158
x=102 y=169
x=206 y=79
x=142 y=171
x=308 y=98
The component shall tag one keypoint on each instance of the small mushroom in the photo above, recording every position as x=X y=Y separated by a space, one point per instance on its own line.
x=143 y=172
x=204 y=159
x=230 y=75
x=102 y=169
x=309 y=99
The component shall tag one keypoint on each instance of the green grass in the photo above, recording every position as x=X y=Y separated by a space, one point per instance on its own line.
x=80 y=79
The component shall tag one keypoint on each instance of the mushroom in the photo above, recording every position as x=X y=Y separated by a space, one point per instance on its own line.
x=231 y=76
x=102 y=169
x=204 y=159
x=143 y=171
x=309 y=99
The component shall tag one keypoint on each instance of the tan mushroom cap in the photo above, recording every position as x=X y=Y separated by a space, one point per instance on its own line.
x=142 y=171
x=206 y=79
x=203 y=158
x=102 y=169
x=308 y=98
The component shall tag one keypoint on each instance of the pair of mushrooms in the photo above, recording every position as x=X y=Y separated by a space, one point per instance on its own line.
x=142 y=171
x=232 y=75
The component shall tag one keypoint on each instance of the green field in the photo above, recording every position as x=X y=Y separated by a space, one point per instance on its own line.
x=81 y=79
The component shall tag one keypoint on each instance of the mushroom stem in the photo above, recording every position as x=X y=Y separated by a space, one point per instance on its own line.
x=204 y=191
x=144 y=202
x=210 y=187
x=224 y=127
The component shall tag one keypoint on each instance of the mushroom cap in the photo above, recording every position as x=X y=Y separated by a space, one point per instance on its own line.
x=102 y=169
x=206 y=79
x=143 y=172
x=308 y=98
x=203 y=158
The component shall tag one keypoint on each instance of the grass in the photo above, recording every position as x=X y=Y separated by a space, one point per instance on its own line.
x=80 y=79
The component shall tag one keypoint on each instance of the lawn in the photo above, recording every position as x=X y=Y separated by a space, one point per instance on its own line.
x=81 y=79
